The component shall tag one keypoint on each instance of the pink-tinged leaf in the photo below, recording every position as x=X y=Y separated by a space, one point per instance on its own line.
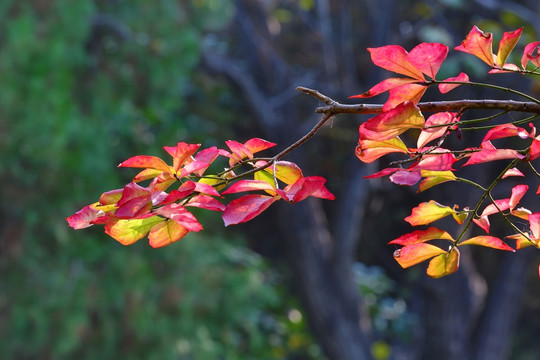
x=483 y=223
x=136 y=201
x=206 y=156
x=534 y=222
x=307 y=186
x=534 y=150
x=506 y=45
x=535 y=58
x=487 y=241
x=500 y=205
x=406 y=93
x=478 y=44
x=420 y=236
x=518 y=192
x=206 y=189
x=528 y=51
x=445 y=88
x=193 y=167
x=512 y=172
x=428 y=57
x=506 y=68
x=179 y=214
x=434 y=129
x=488 y=153
x=239 y=152
x=246 y=208
x=407 y=178
x=428 y=212
x=433 y=178
x=437 y=162
x=146 y=162
x=382 y=173
x=384 y=86
x=370 y=150
x=521 y=241
x=248 y=185
x=392 y=123
x=505 y=130
x=129 y=231
x=206 y=202
x=165 y=233
x=444 y=264
x=181 y=153
x=83 y=218
x=111 y=197
x=411 y=255
x=395 y=58
x=255 y=145
x=132 y=191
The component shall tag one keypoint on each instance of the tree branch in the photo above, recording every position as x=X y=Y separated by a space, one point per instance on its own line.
x=333 y=107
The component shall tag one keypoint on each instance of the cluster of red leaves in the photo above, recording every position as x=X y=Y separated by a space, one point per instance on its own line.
x=131 y=213
x=431 y=164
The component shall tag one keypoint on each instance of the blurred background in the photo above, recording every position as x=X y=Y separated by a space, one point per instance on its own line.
x=87 y=84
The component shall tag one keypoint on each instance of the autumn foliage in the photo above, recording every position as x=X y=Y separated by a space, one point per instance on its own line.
x=160 y=209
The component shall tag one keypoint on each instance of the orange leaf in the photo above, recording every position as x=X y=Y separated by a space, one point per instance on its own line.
x=411 y=255
x=370 y=150
x=487 y=241
x=128 y=231
x=507 y=43
x=444 y=264
x=410 y=92
x=166 y=233
x=392 y=123
x=420 y=236
x=478 y=44
x=428 y=212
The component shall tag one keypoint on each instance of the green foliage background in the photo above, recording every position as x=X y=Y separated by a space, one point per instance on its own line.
x=86 y=84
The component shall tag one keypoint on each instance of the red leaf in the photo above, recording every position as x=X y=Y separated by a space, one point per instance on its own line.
x=411 y=255
x=428 y=212
x=534 y=222
x=307 y=186
x=395 y=58
x=507 y=43
x=444 y=264
x=445 y=88
x=528 y=51
x=246 y=208
x=487 y=241
x=181 y=153
x=184 y=190
x=518 y=192
x=239 y=152
x=420 y=236
x=179 y=214
x=534 y=150
x=382 y=173
x=255 y=145
x=248 y=185
x=411 y=93
x=428 y=57
x=146 y=162
x=483 y=223
x=488 y=152
x=436 y=162
x=505 y=130
x=384 y=86
x=165 y=233
x=478 y=44
x=392 y=123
